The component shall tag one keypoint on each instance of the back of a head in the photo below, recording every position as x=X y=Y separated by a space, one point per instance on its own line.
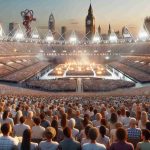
x=30 y=114
x=5 y=114
x=5 y=128
x=37 y=121
x=121 y=134
x=146 y=134
x=72 y=123
x=67 y=132
x=102 y=131
x=148 y=125
x=127 y=114
x=93 y=134
x=42 y=116
x=113 y=118
x=22 y=120
x=87 y=128
x=132 y=122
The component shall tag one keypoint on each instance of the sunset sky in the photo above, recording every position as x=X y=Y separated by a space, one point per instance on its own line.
x=72 y=13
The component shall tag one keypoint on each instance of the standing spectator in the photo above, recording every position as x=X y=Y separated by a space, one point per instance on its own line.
x=71 y=125
x=97 y=122
x=69 y=143
x=103 y=139
x=121 y=144
x=6 y=141
x=78 y=120
x=6 y=119
x=144 y=119
x=126 y=120
x=44 y=123
x=49 y=144
x=134 y=134
x=37 y=131
x=145 y=144
x=113 y=121
x=26 y=143
x=20 y=128
x=93 y=145
x=29 y=119
x=148 y=125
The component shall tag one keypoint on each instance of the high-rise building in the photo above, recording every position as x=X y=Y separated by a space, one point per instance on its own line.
x=51 y=23
x=90 y=24
x=63 y=33
x=13 y=28
x=99 y=30
x=109 y=30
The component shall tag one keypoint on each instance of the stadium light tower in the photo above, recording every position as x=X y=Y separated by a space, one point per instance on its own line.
x=73 y=38
x=143 y=35
x=19 y=36
x=49 y=38
x=113 y=38
x=96 y=38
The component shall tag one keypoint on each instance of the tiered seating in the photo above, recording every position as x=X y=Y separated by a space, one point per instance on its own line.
x=26 y=73
x=132 y=72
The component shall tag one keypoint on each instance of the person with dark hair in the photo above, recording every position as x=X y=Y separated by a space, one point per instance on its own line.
x=6 y=141
x=145 y=144
x=59 y=133
x=69 y=143
x=26 y=143
x=148 y=125
x=44 y=123
x=49 y=144
x=6 y=119
x=113 y=121
x=103 y=139
x=86 y=140
x=93 y=145
x=37 y=131
x=19 y=128
x=126 y=120
x=121 y=143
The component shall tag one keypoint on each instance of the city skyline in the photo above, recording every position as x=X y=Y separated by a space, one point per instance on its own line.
x=72 y=13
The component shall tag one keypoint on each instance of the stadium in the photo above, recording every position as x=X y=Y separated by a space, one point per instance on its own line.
x=68 y=90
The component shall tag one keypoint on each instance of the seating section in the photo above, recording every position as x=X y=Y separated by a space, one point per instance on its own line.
x=59 y=85
x=97 y=85
x=26 y=73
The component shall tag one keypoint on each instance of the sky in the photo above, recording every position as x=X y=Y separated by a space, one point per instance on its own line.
x=72 y=13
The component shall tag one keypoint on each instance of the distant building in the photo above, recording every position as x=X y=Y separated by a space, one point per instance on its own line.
x=63 y=33
x=147 y=24
x=99 y=30
x=51 y=23
x=13 y=28
x=109 y=30
x=90 y=24
x=127 y=35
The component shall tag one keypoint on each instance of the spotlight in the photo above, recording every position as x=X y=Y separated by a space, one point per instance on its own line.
x=143 y=36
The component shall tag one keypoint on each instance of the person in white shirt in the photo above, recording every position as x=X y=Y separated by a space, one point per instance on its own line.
x=93 y=145
x=49 y=133
x=71 y=125
x=97 y=122
x=37 y=130
x=126 y=120
x=6 y=141
x=20 y=128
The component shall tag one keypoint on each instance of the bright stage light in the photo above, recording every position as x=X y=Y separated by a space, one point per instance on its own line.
x=19 y=36
x=143 y=36
x=96 y=39
x=73 y=40
x=49 y=39
x=113 y=39
x=107 y=57
x=35 y=36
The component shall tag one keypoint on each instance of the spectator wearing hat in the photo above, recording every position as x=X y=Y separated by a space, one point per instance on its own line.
x=49 y=144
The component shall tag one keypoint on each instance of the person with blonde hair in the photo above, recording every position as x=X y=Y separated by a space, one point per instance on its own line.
x=143 y=120
x=97 y=122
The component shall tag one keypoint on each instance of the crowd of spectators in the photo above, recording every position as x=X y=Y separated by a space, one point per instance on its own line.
x=58 y=85
x=95 y=85
x=74 y=122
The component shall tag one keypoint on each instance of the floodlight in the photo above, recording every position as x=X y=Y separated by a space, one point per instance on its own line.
x=143 y=35
x=49 y=39
x=19 y=36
